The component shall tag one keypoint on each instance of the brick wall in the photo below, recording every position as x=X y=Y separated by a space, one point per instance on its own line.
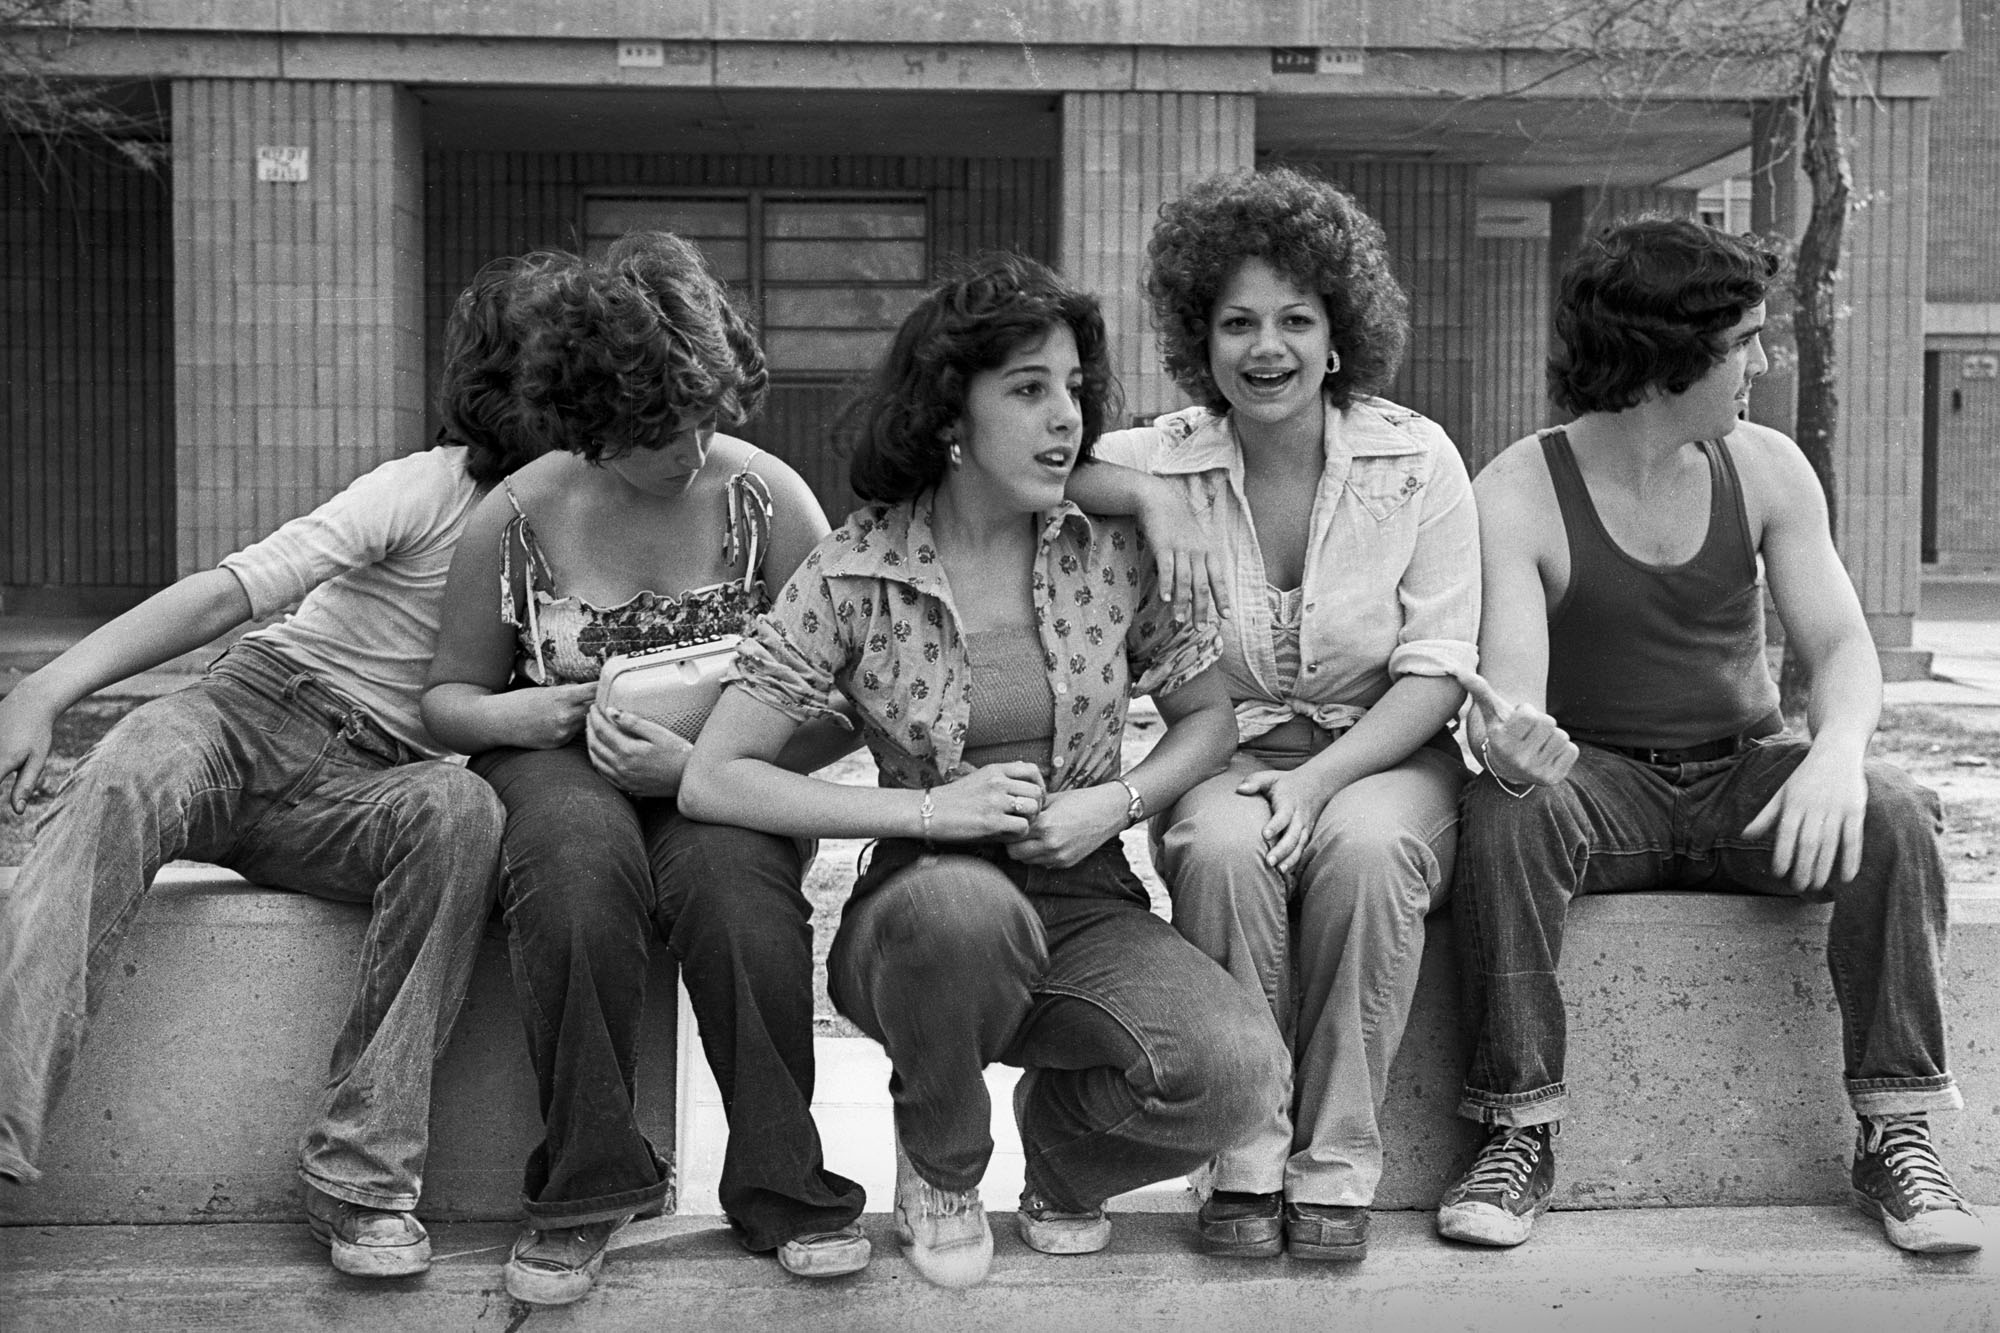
x=298 y=338
x=1964 y=256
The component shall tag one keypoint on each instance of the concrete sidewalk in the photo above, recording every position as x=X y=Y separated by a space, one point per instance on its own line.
x=1816 y=1270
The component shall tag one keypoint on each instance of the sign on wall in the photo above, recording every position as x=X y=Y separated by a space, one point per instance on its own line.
x=283 y=163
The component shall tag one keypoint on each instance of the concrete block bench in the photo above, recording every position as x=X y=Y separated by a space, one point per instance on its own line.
x=207 y=1056
x=1704 y=1063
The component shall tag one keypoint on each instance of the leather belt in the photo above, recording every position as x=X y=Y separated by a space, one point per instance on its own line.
x=1694 y=754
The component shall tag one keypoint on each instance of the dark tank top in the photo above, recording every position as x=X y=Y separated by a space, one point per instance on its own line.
x=1663 y=656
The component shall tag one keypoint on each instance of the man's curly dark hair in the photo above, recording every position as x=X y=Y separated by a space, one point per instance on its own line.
x=637 y=348
x=1307 y=229
x=1645 y=304
x=478 y=399
x=972 y=321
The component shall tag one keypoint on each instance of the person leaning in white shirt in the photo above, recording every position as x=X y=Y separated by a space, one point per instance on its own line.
x=299 y=761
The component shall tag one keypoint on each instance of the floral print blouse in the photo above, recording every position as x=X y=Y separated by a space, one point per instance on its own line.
x=869 y=613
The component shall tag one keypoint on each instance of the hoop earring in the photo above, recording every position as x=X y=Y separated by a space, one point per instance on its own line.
x=1333 y=361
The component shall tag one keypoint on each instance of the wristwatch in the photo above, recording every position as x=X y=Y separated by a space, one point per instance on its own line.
x=1135 y=809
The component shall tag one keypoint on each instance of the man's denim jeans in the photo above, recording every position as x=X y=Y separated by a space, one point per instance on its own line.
x=592 y=878
x=1144 y=1059
x=1618 y=825
x=260 y=768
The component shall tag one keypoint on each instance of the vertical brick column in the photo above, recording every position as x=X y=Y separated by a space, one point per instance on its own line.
x=298 y=321
x=1124 y=154
x=1878 y=455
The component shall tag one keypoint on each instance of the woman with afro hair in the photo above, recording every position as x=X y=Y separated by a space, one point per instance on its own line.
x=1338 y=533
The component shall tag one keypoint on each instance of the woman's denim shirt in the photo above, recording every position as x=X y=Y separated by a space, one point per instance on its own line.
x=870 y=612
x=1392 y=558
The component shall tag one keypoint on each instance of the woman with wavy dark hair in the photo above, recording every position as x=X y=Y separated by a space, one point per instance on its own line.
x=987 y=634
x=643 y=527
x=1340 y=528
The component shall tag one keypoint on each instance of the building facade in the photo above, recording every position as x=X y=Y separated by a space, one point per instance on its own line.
x=196 y=355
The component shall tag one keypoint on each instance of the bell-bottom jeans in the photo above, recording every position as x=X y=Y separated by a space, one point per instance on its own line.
x=592 y=877
x=1143 y=1057
x=1617 y=825
x=1332 y=948
x=260 y=768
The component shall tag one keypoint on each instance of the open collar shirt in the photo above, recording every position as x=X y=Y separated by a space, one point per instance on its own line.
x=870 y=613
x=1391 y=584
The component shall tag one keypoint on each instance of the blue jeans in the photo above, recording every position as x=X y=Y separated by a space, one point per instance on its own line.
x=1618 y=825
x=260 y=768
x=592 y=878
x=1143 y=1058
x=1333 y=948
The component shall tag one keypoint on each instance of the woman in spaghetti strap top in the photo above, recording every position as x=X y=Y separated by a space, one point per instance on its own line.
x=1341 y=529
x=643 y=527
x=987 y=635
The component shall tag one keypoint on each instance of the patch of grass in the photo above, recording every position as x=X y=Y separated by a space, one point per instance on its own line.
x=1956 y=753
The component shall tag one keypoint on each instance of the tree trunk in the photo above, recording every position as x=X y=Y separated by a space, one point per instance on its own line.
x=1816 y=277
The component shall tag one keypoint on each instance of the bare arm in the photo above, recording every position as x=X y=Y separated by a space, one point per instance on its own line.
x=734 y=777
x=466 y=704
x=177 y=619
x=1195 y=583
x=1817 y=815
x=1517 y=739
x=1201 y=732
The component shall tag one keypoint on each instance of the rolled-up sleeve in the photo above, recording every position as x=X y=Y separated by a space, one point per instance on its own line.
x=793 y=653
x=1439 y=590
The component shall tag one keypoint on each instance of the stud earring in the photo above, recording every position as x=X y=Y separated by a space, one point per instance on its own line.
x=956 y=455
x=1333 y=361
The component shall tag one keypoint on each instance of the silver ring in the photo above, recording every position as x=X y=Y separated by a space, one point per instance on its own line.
x=1022 y=805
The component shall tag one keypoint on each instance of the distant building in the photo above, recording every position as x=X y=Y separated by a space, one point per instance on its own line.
x=1961 y=492
x=193 y=357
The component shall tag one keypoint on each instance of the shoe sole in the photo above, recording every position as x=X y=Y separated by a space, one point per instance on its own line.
x=1906 y=1240
x=371 y=1260
x=954 y=1269
x=825 y=1262
x=1070 y=1238
x=1262 y=1247
x=1483 y=1224
x=1328 y=1254
x=539 y=1287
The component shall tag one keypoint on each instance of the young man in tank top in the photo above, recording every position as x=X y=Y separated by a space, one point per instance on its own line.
x=1630 y=729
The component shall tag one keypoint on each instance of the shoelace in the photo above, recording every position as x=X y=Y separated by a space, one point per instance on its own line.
x=947 y=1203
x=1504 y=1164
x=1905 y=1145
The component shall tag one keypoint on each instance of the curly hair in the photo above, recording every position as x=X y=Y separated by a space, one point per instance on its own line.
x=1645 y=304
x=635 y=349
x=1310 y=231
x=973 y=321
x=477 y=399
